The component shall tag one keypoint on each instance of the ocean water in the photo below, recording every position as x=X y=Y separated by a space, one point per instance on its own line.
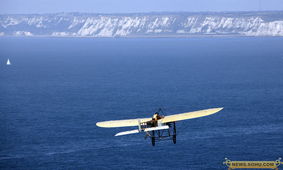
x=57 y=89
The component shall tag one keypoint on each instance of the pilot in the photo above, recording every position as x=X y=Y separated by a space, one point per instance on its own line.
x=156 y=116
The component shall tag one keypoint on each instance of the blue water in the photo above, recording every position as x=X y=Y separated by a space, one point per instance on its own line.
x=57 y=89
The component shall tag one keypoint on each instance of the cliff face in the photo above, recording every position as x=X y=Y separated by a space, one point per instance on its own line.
x=142 y=25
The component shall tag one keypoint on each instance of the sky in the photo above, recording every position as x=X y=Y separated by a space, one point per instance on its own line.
x=132 y=6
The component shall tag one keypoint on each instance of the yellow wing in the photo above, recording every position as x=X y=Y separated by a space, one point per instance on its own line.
x=166 y=119
x=122 y=123
x=190 y=115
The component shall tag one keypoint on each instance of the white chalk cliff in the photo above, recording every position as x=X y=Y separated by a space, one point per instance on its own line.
x=143 y=25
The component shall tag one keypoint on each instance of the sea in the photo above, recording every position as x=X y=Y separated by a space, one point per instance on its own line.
x=56 y=89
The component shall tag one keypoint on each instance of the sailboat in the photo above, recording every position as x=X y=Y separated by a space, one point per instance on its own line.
x=8 y=62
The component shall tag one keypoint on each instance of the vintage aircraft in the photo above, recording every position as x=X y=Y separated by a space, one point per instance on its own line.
x=158 y=127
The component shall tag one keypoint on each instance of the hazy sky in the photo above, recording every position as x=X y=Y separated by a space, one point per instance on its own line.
x=126 y=6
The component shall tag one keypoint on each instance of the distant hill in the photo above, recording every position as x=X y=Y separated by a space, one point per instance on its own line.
x=181 y=24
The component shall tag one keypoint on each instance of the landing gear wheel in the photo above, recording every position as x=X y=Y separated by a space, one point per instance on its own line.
x=153 y=139
x=174 y=139
x=174 y=134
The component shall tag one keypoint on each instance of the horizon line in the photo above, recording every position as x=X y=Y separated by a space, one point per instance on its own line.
x=149 y=12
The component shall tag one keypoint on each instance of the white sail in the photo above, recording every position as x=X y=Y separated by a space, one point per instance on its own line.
x=8 y=62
